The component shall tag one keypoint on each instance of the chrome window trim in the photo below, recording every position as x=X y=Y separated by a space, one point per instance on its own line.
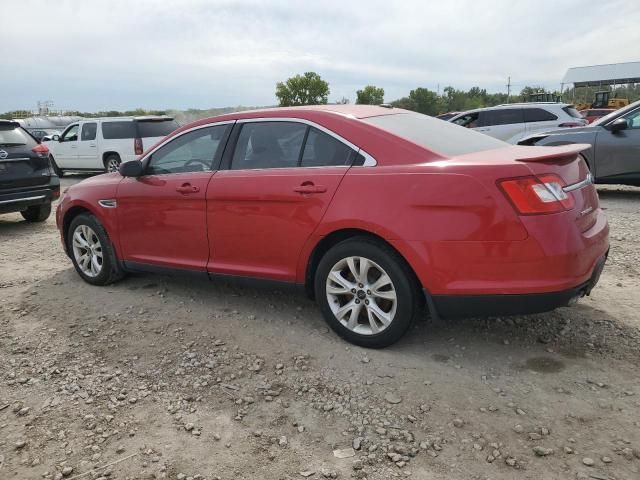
x=369 y=161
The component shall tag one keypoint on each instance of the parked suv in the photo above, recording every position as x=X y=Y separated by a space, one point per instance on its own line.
x=27 y=181
x=101 y=144
x=512 y=122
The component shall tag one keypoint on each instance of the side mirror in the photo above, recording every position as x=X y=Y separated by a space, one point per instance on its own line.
x=132 y=168
x=56 y=138
x=617 y=125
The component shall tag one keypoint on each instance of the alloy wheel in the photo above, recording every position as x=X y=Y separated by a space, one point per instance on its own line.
x=113 y=165
x=87 y=250
x=361 y=295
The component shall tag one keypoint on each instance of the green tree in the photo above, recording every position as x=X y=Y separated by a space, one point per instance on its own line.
x=307 y=89
x=370 y=95
x=426 y=101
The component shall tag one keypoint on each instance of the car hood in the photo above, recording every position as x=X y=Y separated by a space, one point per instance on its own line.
x=107 y=182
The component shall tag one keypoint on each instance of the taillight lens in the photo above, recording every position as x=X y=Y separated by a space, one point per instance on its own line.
x=536 y=195
x=137 y=146
x=41 y=150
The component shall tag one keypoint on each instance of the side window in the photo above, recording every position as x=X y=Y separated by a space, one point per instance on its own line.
x=195 y=151
x=469 y=120
x=324 y=150
x=538 y=115
x=88 y=131
x=633 y=119
x=268 y=145
x=118 y=130
x=71 y=135
x=505 y=116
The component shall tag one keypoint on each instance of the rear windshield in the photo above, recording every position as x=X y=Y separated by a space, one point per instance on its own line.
x=441 y=137
x=572 y=112
x=156 y=128
x=14 y=136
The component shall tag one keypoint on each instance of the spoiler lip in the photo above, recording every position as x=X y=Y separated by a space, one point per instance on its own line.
x=552 y=152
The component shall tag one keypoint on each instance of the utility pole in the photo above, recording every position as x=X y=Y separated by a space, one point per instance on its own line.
x=508 y=89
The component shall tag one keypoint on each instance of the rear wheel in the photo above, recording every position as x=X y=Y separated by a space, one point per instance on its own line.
x=57 y=170
x=112 y=163
x=367 y=293
x=91 y=251
x=37 y=213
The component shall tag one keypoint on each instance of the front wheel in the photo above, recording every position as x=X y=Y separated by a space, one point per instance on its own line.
x=37 y=213
x=91 y=251
x=367 y=292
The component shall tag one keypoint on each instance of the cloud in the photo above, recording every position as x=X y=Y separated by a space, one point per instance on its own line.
x=190 y=53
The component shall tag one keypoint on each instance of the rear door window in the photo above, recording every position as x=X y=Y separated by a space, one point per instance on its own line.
x=538 y=115
x=12 y=136
x=88 y=131
x=506 y=116
x=156 y=128
x=118 y=130
x=268 y=145
x=322 y=150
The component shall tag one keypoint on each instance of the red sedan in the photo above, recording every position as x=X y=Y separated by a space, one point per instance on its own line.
x=376 y=211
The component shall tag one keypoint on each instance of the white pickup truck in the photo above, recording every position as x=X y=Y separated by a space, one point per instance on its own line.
x=101 y=144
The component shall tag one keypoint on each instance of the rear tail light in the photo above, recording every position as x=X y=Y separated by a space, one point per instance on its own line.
x=137 y=146
x=573 y=124
x=536 y=195
x=41 y=150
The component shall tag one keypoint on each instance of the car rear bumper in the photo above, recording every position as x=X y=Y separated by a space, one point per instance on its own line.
x=16 y=200
x=461 y=306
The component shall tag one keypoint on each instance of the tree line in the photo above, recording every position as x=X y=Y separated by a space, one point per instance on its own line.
x=311 y=89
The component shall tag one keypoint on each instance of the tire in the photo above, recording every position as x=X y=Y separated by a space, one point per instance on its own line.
x=90 y=231
x=354 y=254
x=112 y=163
x=56 y=169
x=37 y=213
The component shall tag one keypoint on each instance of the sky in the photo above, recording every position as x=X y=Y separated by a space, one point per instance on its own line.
x=94 y=55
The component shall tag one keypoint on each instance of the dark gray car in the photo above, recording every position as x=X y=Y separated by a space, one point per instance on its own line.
x=614 y=156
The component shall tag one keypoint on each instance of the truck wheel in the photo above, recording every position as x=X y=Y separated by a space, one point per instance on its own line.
x=56 y=169
x=36 y=213
x=112 y=163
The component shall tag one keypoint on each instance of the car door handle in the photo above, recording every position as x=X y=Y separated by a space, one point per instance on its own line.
x=186 y=188
x=310 y=188
x=74 y=146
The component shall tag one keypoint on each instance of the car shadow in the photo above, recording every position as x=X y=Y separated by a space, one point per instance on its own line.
x=286 y=317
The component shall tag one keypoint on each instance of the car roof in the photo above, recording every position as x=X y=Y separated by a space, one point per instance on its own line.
x=307 y=112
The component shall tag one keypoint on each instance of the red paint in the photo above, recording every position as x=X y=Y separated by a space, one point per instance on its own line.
x=448 y=217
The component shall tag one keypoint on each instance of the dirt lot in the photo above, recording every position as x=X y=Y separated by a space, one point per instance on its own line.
x=160 y=377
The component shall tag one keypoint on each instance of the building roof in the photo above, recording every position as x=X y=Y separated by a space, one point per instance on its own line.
x=609 y=74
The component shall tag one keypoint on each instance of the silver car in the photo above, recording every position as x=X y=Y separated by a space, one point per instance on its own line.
x=614 y=156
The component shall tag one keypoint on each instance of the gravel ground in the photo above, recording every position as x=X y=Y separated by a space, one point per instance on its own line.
x=159 y=377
